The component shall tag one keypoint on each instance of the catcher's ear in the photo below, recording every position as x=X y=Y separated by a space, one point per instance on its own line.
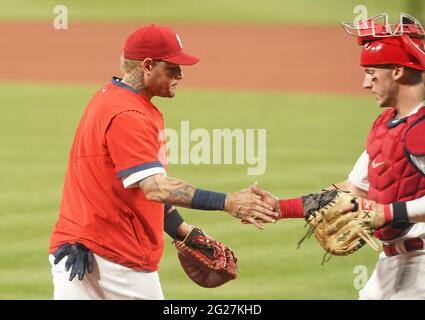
x=398 y=72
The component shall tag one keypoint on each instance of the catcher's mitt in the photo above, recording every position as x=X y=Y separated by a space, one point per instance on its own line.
x=337 y=232
x=207 y=262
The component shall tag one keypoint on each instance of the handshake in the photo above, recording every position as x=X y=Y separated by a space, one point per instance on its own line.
x=270 y=208
x=253 y=206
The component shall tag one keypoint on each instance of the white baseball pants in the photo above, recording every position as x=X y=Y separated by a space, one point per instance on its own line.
x=107 y=281
x=400 y=277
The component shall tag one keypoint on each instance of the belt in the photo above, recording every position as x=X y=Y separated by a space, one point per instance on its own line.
x=403 y=246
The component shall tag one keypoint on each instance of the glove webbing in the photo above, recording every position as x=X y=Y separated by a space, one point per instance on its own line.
x=187 y=249
x=311 y=229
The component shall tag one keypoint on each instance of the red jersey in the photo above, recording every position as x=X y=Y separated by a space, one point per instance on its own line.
x=119 y=135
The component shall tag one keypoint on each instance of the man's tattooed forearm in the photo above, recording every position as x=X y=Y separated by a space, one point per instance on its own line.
x=173 y=191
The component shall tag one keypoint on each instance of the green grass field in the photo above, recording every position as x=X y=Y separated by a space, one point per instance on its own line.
x=189 y=11
x=312 y=141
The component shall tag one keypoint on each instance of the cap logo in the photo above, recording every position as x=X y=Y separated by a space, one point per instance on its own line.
x=179 y=41
x=378 y=47
x=372 y=47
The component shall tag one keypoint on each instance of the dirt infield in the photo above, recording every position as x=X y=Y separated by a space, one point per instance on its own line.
x=279 y=58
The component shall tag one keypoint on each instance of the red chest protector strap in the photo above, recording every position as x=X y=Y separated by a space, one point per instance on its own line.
x=415 y=138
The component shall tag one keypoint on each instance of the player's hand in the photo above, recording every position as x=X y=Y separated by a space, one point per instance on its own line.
x=268 y=198
x=248 y=206
x=379 y=217
x=80 y=259
x=183 y=230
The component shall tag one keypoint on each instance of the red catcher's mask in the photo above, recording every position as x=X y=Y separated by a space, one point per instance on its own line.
x=384 y=43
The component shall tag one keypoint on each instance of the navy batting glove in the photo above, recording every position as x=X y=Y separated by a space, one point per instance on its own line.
x=80 y=259
x=61 y=252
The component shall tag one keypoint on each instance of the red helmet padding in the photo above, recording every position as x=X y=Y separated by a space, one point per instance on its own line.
x=393 y=50
x=415 y=138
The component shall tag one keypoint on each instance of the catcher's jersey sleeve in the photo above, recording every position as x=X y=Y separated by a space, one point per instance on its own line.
x=358 y=175
x=416 y=209
x=133 y=140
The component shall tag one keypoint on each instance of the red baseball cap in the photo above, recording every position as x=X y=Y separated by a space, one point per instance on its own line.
x=157 y=42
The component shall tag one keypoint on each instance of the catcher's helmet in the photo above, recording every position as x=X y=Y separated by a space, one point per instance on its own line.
x=384 y=43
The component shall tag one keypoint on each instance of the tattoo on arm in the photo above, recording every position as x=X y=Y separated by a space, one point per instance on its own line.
x=168 y=190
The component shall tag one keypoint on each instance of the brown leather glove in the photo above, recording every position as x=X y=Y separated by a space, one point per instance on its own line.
x=206 y=261
x=339 y=232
